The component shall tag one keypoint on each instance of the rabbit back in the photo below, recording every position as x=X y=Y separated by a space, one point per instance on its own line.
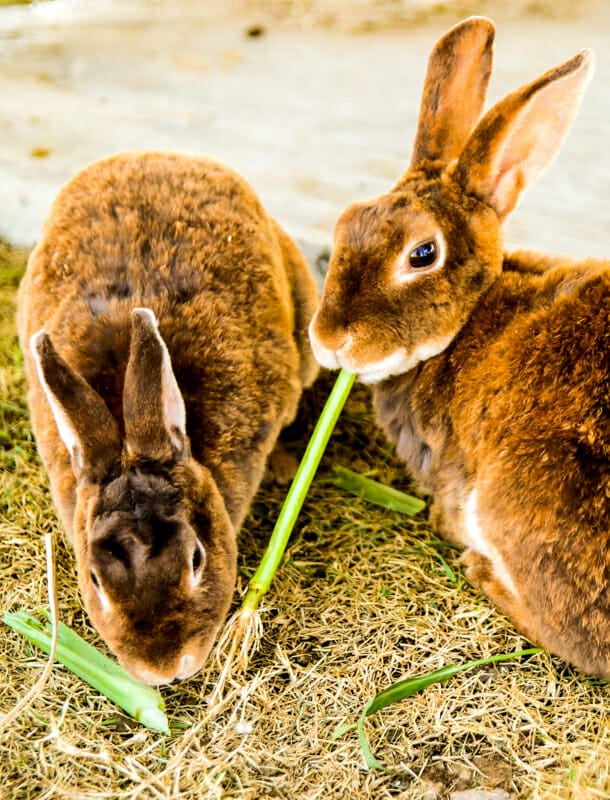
x=187 y=238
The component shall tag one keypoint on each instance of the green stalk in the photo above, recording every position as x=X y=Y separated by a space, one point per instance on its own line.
x=260 y=582
x=142 y=702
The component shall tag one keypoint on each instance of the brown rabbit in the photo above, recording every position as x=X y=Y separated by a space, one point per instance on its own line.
x=491 y=371
x=163 y=317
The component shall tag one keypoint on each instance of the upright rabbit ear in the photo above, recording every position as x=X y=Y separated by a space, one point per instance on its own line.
x=454 y=90
x=153 y=407
x=521 y=135
x=85 y=424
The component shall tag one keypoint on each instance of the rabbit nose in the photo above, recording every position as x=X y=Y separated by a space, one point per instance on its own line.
x=341 y=350
x=329 y=351
x=186 y=668
x=149 y=677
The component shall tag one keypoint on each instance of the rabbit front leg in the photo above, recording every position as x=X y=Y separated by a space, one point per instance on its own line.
x=424 y=442
x=480 y=572
x=486 y=568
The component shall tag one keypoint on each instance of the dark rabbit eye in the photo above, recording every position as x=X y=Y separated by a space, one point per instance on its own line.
x=424 y=255
x=198 y=557
x=94 y=579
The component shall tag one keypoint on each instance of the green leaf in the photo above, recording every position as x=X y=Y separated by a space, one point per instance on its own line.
x=409 y=686
x=377 y=493
x=447 y=569
x=341 y=730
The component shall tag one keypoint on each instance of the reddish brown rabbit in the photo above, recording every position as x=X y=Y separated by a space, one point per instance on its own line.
x=491 y=371
x=163 y=317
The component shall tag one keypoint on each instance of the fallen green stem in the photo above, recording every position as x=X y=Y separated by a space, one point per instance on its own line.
x=260 y=582
x=377 y=493
x=142 y=702
x=409 y=686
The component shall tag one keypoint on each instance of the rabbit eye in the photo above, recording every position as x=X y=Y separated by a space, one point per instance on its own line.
x=94 y=579
x=424 y=255
x=198 y=560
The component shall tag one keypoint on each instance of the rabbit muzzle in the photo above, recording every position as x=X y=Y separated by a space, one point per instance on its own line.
x=184 y=666
x=329 y=357
x=372 y=367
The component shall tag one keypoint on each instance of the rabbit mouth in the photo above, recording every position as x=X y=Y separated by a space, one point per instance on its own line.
x=188 y=666
x=394 y=364
x=398 y=362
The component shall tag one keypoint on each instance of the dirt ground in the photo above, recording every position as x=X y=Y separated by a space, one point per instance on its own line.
x=317 y=110
x=315 y=103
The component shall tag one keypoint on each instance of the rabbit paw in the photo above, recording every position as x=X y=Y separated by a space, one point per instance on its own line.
x=281 y=466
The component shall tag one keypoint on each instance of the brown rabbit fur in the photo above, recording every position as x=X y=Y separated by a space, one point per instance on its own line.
x=491 y=371
x=163 y=318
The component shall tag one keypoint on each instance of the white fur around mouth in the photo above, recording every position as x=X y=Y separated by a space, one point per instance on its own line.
x=394 y=364
x=400 y=361
x=187 y=667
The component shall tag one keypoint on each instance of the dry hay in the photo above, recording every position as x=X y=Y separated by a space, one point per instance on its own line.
x=363 y=599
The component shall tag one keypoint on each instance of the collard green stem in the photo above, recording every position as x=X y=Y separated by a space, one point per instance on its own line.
x=260 y=582
x=142 y=702
x=377 y=493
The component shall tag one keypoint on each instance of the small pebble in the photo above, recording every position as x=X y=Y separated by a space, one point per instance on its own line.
x=243 y=727
x=256 y=31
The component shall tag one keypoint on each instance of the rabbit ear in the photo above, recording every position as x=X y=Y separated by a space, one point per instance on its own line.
x=454 y=90
x=520 y=136
x=153 y=407
x=85 y=424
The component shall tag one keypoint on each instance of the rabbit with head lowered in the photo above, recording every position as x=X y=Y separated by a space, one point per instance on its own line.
x=163 y=317
x=491 y=372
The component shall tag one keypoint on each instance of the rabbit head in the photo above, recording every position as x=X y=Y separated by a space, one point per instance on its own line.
x=154 y=544
x=409 y=267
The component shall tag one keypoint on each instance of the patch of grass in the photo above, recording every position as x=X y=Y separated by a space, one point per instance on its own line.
x=362 y=599
x=405 y=688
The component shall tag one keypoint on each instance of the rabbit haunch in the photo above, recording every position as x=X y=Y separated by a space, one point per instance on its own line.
x=163 y=318
x=491 y=371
